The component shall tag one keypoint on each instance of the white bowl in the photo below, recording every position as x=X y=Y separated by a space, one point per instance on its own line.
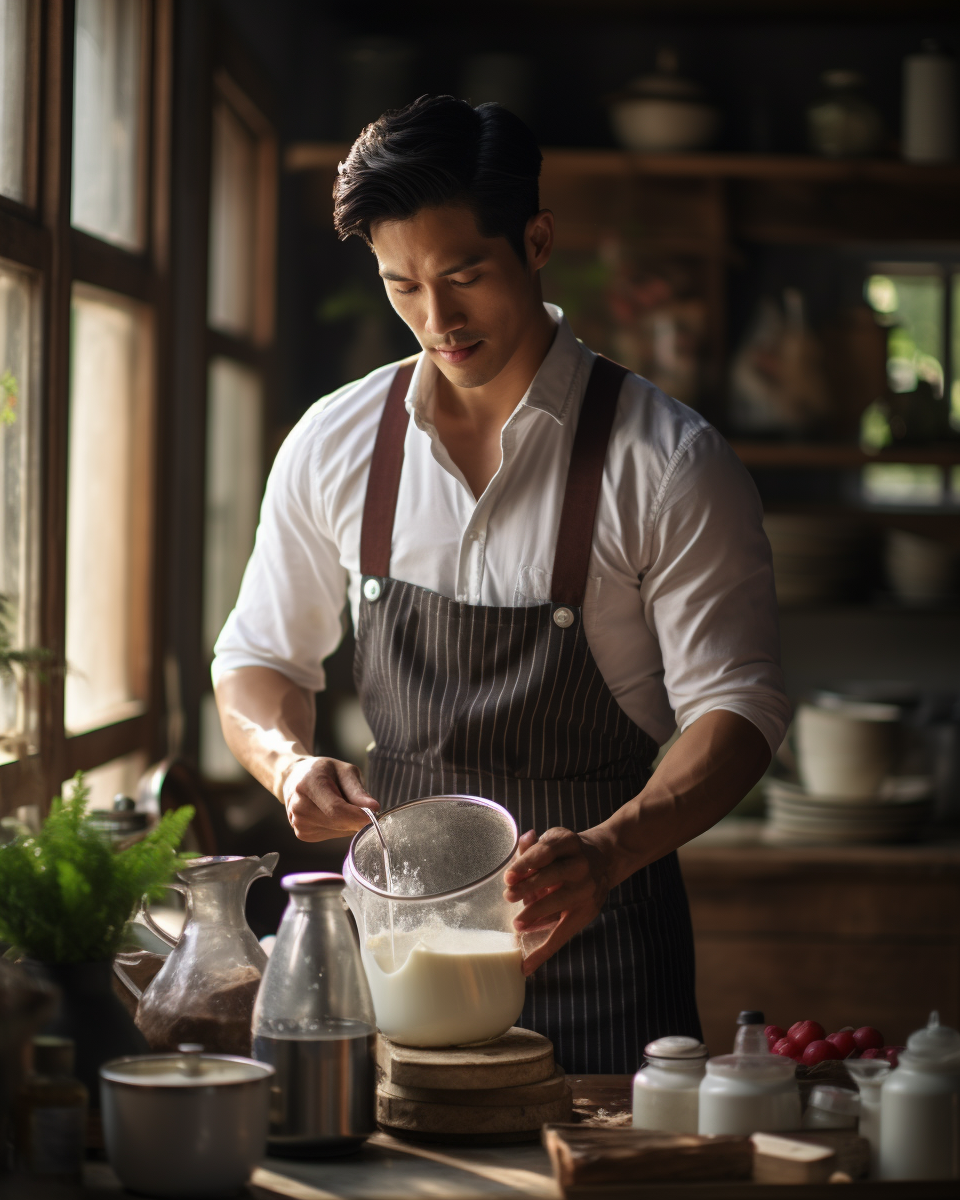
x=649 y=123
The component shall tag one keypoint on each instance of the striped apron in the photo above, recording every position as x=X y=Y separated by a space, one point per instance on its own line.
x=508 y=704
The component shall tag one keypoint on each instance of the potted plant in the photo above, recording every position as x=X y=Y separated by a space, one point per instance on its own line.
x=65 y=898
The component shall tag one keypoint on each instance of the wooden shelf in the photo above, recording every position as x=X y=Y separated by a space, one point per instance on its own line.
x=312 y=156
x=799 y=455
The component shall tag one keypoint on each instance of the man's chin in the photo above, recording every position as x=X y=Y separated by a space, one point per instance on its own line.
x=474 y=372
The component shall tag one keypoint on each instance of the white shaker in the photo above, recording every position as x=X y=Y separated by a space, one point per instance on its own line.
x=920 y=1108
x=749 y=1093
x=868 y=1074
x=929 y=106
x=666 y=1089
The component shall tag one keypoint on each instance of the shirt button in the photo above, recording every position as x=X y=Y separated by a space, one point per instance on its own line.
x=563 y=617
x=372 y=589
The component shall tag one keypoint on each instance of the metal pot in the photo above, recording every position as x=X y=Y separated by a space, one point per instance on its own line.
x=185 y=1124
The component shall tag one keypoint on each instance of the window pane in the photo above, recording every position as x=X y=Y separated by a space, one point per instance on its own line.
x=109 y=489
x=234 y=486
x=13 y=97
x=120 y=776
x=16 y=479
x=106 y=119
x=232 y=223
x=913 y=306
x=955 y=355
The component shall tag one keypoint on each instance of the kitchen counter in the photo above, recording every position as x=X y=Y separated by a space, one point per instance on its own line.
x=844 y=935
x=389 y=1169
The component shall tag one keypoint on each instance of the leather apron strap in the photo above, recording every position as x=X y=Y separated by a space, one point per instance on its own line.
x=581 y=497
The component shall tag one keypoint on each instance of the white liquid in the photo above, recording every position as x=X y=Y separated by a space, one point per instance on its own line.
x=453 y=986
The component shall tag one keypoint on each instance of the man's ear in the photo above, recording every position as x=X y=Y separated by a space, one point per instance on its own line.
x=538 y=239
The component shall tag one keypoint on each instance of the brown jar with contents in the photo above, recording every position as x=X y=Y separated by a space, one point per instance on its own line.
x=51 y=1113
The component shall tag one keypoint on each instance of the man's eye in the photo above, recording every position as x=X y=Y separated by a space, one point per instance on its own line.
x=405 y=291
x=464 y=282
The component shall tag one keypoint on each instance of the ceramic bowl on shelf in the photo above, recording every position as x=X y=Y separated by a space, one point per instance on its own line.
x=847 y=752
x=663 y=111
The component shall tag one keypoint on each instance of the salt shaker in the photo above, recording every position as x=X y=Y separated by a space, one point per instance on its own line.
x=314 y=1023
x=920 y=1107
x=666 y=1089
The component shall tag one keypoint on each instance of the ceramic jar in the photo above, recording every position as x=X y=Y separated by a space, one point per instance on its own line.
x=749 y=1093
x=666 y=1089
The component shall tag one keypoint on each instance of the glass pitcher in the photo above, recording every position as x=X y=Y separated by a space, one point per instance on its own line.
x=439 y=950
x=314 y=1023
x=205 y=991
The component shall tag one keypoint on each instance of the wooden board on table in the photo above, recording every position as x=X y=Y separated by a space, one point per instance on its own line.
x=548 y=1090
x=400 y=1115
x=518 y=1058
x=590 y=1157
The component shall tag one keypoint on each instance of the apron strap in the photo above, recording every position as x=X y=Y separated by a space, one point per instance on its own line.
x=584 y=481
x=581 y=498
x=383 y=483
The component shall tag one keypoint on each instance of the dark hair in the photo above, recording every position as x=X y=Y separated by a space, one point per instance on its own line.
x=440 y=150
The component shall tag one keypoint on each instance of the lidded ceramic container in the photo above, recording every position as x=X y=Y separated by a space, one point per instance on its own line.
x=666 y=1089
x=749 y=1093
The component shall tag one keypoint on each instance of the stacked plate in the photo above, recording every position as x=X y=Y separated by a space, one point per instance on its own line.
x=896 y=815
x=815 y=559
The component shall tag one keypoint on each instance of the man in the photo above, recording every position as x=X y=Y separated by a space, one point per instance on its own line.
x=548 y=566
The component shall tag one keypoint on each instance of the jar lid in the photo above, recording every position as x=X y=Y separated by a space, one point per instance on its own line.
x=843 y=1101
x=676 y=1047
x=750 y=1016
x=311 y=881
x=770 y=1067
x=190 y=1068
x=934 y=1045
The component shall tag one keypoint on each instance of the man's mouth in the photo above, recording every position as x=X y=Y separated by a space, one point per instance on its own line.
x=456 y=354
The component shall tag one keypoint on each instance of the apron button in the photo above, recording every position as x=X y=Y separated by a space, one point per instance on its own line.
x=563 y=617
x=372 y=589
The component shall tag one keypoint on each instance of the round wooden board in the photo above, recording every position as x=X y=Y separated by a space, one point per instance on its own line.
x=463 y=1139
x=470 y=1120
x=544 y=1092
x=519 y=1057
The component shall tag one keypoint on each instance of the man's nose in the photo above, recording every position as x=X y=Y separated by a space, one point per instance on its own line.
x=443 y=315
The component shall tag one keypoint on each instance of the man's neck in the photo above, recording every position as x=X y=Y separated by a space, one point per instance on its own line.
x=491 y=403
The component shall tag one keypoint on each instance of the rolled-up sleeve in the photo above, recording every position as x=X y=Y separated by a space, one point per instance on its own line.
x=708 y=592
x=289 y=613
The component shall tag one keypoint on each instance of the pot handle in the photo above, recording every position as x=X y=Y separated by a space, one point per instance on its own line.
x=144 y=915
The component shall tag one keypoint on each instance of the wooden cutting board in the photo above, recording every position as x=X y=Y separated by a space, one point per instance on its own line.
x=519 y=1058
x=474 y=1120
x=545 y=1092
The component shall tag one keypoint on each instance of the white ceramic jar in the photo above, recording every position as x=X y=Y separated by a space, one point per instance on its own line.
x=666 y=1089
x=920 y=1108
x=749 y=1093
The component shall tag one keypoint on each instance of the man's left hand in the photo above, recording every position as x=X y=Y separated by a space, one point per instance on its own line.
x=563 y=879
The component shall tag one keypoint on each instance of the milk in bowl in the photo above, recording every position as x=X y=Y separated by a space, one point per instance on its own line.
x=444 y=987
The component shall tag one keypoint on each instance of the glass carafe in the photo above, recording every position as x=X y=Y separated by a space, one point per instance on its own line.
x=205 y=991
x=314 y=1023
x=439 y=949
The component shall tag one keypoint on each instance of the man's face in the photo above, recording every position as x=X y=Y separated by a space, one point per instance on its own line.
x=467 y=298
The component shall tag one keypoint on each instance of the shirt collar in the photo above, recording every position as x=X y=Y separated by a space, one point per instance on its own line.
x=556 y=385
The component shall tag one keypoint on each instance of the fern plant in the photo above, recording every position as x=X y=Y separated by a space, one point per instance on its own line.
x=66 y=894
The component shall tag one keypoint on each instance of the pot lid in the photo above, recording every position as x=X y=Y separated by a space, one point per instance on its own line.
x=190 y=1067
x=666 y=83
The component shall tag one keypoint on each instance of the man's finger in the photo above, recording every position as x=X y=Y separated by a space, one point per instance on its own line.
x=555 y=843
x=563 y=931
x=351 y=786
x=563 y=870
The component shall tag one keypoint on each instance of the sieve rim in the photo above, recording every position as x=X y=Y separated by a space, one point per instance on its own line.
x=351 y=864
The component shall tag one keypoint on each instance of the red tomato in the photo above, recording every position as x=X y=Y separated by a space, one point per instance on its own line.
x=872 y=1052
x=819 y=1051
x=774 y=1034
x=802 y=1033
x=784 y=1047
x=868 y=1038
x=891 y=1054
x=843 y=1040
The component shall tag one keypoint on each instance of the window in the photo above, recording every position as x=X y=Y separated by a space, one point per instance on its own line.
x=82 y=290
x=239 y=316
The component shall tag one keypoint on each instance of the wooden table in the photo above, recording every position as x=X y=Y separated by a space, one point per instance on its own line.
x=844 y=935
x=389 y=1169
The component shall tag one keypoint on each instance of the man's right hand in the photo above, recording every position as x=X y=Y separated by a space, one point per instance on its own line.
x=324 y=797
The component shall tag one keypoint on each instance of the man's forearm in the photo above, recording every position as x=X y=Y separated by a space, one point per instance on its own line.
x=267 y=721
x=707 y=771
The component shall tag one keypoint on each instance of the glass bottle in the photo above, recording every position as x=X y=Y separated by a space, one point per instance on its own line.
x=206 y=989
x=51 y=1113
x=314 y=1023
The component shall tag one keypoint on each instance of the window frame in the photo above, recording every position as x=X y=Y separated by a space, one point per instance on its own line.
x=39 y=237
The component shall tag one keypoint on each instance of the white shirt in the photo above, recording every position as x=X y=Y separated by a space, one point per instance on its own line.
x=680 y=611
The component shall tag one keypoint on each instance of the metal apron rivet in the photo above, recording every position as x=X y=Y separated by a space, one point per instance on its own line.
x=563 y=617
x=372 y=589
